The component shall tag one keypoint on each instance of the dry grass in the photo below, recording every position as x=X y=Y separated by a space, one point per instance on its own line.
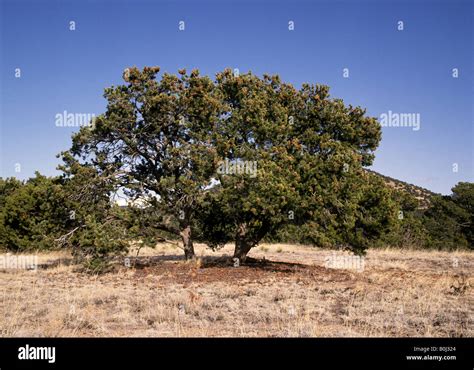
x=397 y=294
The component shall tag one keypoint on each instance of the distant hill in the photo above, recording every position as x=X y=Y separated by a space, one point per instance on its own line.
x=422 y=194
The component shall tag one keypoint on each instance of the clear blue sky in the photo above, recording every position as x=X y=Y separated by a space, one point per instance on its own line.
x=407 y=71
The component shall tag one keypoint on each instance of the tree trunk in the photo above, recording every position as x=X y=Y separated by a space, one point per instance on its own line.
x=242 y=245
x=241 y=250
x=187 y=243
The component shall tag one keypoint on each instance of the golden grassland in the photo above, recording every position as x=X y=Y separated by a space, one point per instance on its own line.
x=290 y=292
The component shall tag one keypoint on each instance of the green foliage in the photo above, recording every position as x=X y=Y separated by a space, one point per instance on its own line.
x=32 y=213
x=7 y=187
x=154 y=142
x=449 y=220
x=375 y=216
x=446 y=223
x=73 y=212
x=463 y=197
x=309 y=150
x=355 y=220
x=98 y=242
x=97 y=232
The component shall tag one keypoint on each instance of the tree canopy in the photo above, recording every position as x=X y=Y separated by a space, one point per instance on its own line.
x=240 y=158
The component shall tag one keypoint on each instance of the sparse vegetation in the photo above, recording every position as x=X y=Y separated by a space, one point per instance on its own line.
x=399 y=293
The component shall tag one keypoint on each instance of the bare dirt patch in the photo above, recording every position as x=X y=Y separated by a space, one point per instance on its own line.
x=209 y=270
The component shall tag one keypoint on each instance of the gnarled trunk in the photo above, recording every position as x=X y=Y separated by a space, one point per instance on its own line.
x=241 y=250
x=242 y=245
x=187 y=242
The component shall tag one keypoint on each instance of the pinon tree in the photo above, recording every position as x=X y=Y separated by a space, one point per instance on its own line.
x=253 y=202
x=310 y=151
x=246 y=155
x=341 y=204
x=155 y=143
